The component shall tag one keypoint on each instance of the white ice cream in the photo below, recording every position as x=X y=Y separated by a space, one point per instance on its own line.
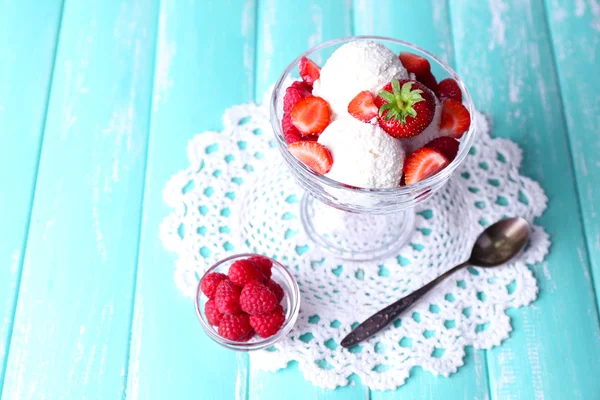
x=431 y=132
x=354 y=67
x=363 y=154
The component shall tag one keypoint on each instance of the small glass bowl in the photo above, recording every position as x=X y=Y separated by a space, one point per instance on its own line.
x=290 y=303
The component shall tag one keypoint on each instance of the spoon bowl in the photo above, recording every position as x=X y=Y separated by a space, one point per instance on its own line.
x=500 y=242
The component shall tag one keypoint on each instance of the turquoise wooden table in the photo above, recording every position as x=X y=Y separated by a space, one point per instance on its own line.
x=98 y=99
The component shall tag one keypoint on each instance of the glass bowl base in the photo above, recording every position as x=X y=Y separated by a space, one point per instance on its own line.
x=352 y=236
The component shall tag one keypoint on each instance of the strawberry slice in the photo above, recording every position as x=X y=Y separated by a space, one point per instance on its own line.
x=363 y=107
x=413 y=63
x=446 y=145
x=313 y=154
x=406 y=108
x=428 y=80
x=294 y=93
x=456 y=119
x=422 y=164
x=311 y=115
x=448 y=89
x=309 y=71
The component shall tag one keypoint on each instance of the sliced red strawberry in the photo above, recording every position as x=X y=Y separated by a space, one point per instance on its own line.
x=446 y=145
x=448 y=89
x=313 y=154
x=294 y=93
x=413 y=63
x=428 y=80
x=422 y=164
x=290 y=133
x=406 y=108
x=363 y=107
x=310 y=138
x=456 y=119
x=309 y=71
x=311 y=115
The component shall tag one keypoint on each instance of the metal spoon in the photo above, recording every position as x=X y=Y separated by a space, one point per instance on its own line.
x=497 y=245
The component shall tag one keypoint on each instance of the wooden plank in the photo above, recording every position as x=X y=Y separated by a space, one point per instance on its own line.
x=287 y=29
x=428 y=27
x=22 y=117
x=575 y=34
x=71 y=329
x=205 y=63
x=504 y=53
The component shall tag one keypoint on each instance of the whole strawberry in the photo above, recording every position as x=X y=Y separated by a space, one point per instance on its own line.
x=235 y=327
x=406 y=108
x=210 y=283
x=257 y=298
x=227 y=297
x=266 y=325
x=264 y=264
x=213 y=315
x=243 y=271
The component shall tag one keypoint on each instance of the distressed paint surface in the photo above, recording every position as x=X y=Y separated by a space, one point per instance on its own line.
x=98 y=314
x=21 y=140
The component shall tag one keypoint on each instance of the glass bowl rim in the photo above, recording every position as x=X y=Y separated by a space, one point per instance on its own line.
x=262 y=343
x=465 y=147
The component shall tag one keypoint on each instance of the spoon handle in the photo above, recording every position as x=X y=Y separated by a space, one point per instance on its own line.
x=382 y=318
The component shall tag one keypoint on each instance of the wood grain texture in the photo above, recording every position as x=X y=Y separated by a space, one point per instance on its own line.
x=23 y=100
x=204 y=64
x=428 y=27
x=71 y=328
x=285 y=30
x=505 y=56
x=575 y=33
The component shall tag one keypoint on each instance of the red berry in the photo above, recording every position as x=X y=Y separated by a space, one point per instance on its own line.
x=235 y=327
x=446 y=145
x=456 y=119
x=414 y=63
x=406 y=108
x=257 y=298
x=363 y=107
x=243 y=271
x=210 y=282
x=448 y=89
x=213 y=315
x=311 y=115
x=227 y=297
x=264 y=263
x=313 y=154
x=294 y=93
x=246 y=337
x=290 y=133
x=309 y=71
x=266 y=325
x=423 y=163
x=275 y=288
x=428 y=80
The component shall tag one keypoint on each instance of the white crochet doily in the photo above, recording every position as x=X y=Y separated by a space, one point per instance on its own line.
x=237 y=196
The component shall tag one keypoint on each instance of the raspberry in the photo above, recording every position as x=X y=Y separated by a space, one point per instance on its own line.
x=227 y=298
x=256 y=298
x=267 y=325
x=249 y=336
x=235 y=327
x=213 y=315
x=210 y=282
x=275 y=288
x=264 y=264
x=243 y=271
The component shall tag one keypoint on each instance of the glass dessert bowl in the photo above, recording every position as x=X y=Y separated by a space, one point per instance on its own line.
x=288 y=302
x=363 y=223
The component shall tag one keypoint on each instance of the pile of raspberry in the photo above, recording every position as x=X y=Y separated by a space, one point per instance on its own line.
x=245 y=301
